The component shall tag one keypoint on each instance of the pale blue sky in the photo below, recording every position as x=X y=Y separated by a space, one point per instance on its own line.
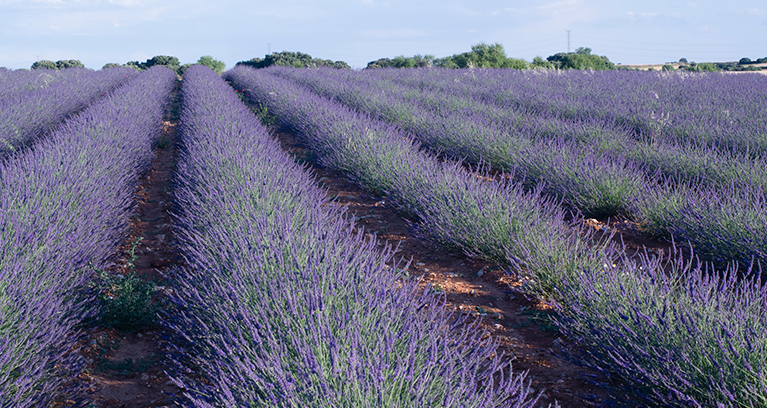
x=358 y=31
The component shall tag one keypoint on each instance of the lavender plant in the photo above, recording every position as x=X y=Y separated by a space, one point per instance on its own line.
x=722 y=226
x=597 y=178
x=658 y=330
x=64 y=209
x=20 y=81
x=688 y=336
x=283 y=305
x=716 y=110
x=484 y=217
x=25 y=116
x=572 y=169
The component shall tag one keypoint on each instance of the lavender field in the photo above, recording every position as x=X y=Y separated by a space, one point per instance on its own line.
x=277 y=296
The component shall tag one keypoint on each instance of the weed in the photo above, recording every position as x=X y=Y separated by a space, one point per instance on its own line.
x=267 y=119
x=542 y=319
x=163 y=142
x=127 y=299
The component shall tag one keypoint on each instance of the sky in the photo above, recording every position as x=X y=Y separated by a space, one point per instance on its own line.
x=97 y=32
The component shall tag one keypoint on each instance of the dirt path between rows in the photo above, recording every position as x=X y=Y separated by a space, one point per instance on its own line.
x=126 y=368
x=483 y=289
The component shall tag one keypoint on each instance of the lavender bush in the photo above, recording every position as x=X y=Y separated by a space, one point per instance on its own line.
x=685 y=337
x=593 y=176
x=568 y=159
x=64 y=209
x=25 y=116
x=718 y=110
x=486 y=218
x=722 y=226
x=20 y=81
x=283 y=305
x=679 y=337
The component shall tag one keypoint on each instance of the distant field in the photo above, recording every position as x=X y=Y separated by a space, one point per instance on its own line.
x=676 y=65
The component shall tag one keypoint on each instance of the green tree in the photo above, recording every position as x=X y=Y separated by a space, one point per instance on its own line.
x=487 y=56
x=292 y=59
x=110 y=65
x=416 y=61
x=183 y=68
x=539 y=62
x=482 y=56
x=212 y=63
x=138 y=66
x=44 y=64
x=582 y=58
x=164 y=60
x=64 y=64
x=446 y=62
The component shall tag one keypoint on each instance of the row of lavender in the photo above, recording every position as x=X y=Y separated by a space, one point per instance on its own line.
x=566 y=158
x=691 y=338
x=718 y=110
x=681 y=159
x=24 y=116
x=64 y=209
x=503 y=135
x=595 y=167
x=20 y=81
x=282 y=305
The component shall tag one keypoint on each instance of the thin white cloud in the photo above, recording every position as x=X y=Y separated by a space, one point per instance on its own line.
x=470 y=12
x=562 y=6
x=648 y=14
x=465 y=11
x=90 y=20
x=289 y=12
x=128 y=3
x=692 y=5
x=756 y=12
x=394 y=33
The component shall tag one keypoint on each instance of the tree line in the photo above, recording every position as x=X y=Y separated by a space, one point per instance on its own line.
x=165 y=60
x=481 y=56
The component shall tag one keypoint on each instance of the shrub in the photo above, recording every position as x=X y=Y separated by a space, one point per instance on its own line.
x=292 y=59
x=582 y=58
x=539 y=62
x=416 y=61
x=44 y=64
x=164 y=60
x=64 y=64
x=211 y=63
x=482 y=56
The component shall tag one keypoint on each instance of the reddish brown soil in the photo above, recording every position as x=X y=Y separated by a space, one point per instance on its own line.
x=127 y=369
x=485 y=290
